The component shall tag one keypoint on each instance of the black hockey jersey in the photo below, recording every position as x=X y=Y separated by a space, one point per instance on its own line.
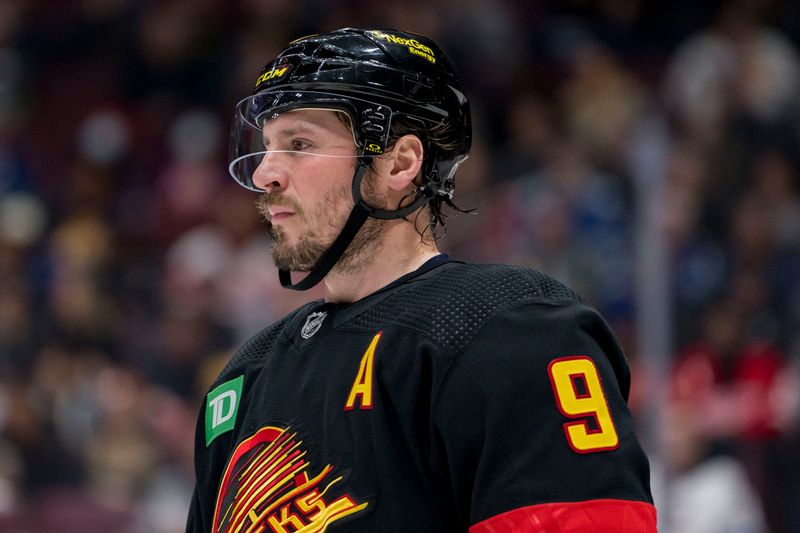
x=461 y=398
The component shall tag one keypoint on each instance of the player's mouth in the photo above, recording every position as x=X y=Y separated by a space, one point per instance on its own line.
x=277 y=213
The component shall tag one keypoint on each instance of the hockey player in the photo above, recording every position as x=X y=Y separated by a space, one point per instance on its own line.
x=422 y=394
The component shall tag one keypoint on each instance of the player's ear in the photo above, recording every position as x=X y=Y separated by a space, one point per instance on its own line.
x=404 y=162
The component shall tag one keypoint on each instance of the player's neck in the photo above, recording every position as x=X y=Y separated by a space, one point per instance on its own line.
x=400 y=252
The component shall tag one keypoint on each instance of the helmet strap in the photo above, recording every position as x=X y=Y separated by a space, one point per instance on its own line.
x=423 y=194
x=354 y=222
x=358 y=215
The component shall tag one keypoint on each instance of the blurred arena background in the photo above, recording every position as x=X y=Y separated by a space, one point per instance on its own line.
x=646 y=153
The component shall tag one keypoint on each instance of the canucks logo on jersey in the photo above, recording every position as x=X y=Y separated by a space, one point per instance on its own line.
x=268 y=486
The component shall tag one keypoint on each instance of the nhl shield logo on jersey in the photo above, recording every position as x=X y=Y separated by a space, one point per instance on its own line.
x=268 y=487
x=313 y=323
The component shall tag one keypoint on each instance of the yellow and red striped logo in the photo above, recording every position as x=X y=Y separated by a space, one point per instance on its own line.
x=267 y=487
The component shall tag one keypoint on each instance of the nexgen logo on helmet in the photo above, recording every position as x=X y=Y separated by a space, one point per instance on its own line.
x=414 y=46
x=374 y=77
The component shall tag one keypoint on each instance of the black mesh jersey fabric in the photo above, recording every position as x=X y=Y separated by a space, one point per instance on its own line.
x=450 y=306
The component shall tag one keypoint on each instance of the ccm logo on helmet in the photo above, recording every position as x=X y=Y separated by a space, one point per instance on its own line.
x=414 y=46
x=274 y=72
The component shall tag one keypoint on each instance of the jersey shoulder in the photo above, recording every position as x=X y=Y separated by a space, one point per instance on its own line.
x=452 y=303
x=260 y=345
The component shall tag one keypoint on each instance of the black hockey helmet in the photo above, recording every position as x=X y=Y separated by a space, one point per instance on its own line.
x=374 y=77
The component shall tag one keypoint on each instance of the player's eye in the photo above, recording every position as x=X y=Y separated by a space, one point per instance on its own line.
x=300 y=145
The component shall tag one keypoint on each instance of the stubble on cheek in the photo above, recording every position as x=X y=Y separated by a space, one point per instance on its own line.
x=320 y=226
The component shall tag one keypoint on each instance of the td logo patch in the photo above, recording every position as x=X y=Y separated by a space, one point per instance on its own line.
x=222 y=404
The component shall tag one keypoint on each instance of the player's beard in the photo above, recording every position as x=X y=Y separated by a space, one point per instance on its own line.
x=315 y=241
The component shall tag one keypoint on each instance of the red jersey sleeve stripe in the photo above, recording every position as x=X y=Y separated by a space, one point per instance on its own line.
x=592 y=516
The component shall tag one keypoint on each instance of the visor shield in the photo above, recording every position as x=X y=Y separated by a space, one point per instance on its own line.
x=259 y=139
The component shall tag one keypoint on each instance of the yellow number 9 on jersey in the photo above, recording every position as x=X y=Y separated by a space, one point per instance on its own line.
x=579 y=395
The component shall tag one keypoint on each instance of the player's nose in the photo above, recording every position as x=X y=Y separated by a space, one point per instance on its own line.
x=270 y=175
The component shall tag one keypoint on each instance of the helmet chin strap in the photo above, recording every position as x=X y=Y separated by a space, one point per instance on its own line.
x=358 y=215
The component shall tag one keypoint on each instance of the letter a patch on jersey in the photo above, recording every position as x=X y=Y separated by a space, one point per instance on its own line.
x=362 y=387
x=222 y=404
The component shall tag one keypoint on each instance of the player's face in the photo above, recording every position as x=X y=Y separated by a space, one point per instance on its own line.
x=307 y=174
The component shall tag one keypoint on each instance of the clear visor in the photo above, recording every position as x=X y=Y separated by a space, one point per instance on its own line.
x=291 y=131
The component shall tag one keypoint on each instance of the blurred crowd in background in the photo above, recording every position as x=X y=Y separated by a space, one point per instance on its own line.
x=131 y=265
